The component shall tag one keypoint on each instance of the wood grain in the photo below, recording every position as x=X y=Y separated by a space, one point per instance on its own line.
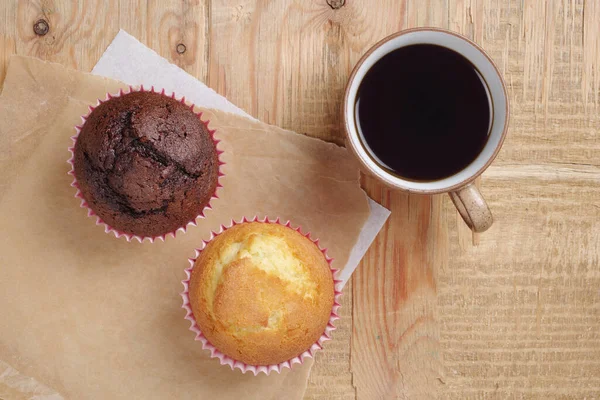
x=433 y=311
x=287 y=62
x=80 y=31
x=395 y=350
x=395 y=337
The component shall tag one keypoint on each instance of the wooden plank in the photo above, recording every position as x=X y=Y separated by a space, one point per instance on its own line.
x=7 y=48
x=395 y=350
x=395 y=338
x=520 y=312
x=80 y=31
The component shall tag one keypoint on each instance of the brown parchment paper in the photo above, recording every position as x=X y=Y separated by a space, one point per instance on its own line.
x=94 y=317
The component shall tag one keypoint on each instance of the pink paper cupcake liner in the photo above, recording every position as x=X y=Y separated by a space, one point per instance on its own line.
x=256 y=369
x=91 y=213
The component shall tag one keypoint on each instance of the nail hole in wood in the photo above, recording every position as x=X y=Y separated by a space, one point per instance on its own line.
x=41 y=27
x=336 y=4
x=181 y=48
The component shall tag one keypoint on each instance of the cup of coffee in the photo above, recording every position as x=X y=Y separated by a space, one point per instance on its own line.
x=426 y=111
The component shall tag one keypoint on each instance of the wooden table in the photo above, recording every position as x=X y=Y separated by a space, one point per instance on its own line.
x=433 y=310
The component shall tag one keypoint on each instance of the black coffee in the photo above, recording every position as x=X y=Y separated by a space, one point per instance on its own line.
x=423 y=112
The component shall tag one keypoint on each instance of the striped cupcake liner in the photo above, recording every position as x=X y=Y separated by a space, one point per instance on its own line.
x=256 y=369
x=91 y=213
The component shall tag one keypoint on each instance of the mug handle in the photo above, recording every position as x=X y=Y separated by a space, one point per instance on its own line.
x=472 y=208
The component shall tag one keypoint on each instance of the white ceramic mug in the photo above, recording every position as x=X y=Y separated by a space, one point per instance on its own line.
x=460 y=187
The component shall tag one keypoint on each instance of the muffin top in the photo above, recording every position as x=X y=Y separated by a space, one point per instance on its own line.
x=145 y=163
x=261 y=293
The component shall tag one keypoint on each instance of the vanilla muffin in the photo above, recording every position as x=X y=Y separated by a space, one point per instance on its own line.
x=261 y=293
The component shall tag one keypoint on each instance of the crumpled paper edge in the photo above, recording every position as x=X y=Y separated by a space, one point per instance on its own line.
x=14 y=383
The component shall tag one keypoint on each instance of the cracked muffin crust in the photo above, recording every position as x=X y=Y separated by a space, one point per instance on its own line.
x=145 y=163
x=261 y=293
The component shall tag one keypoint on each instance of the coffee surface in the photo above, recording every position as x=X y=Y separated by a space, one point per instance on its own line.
x=423 y=112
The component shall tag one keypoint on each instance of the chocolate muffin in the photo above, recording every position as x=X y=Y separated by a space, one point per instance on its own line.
x=145 y=163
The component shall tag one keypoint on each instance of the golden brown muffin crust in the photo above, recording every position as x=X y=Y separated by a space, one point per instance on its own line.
x=261 y=293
